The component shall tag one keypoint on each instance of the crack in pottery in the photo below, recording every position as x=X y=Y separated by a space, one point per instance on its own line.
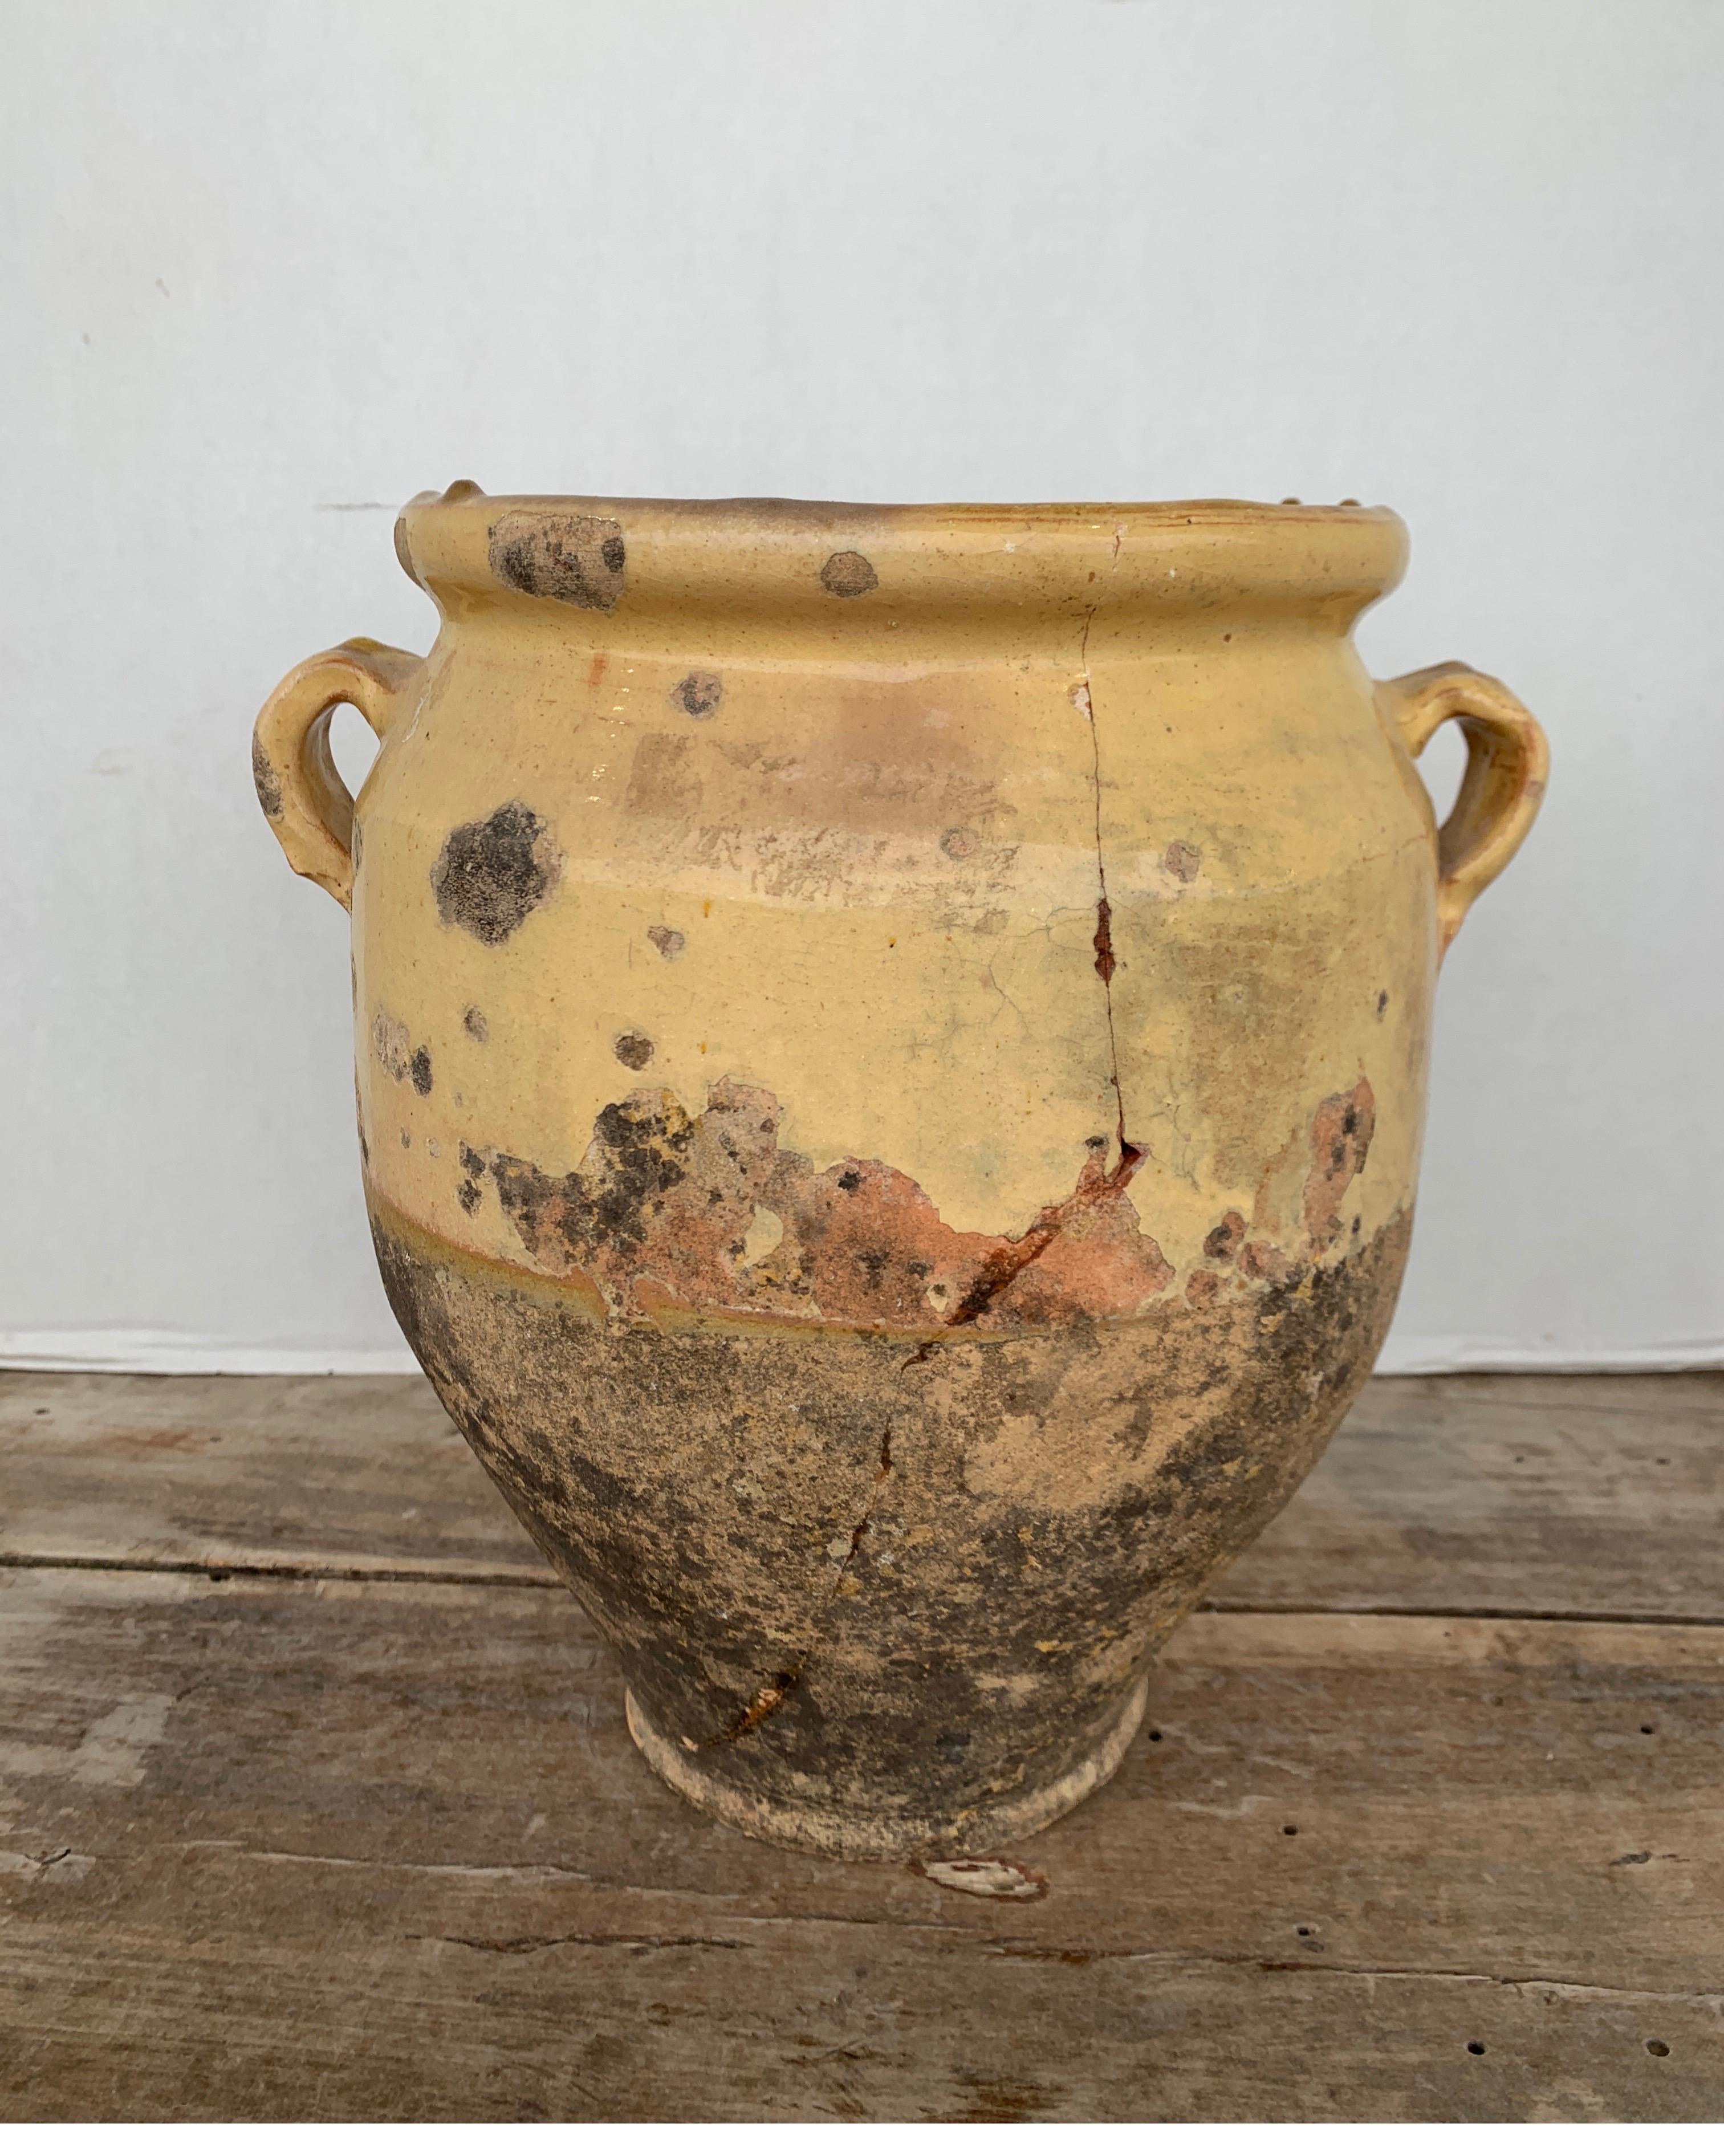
x=732 y=894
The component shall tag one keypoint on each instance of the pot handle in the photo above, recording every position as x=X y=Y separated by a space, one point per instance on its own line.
x=298 y=789
x=1507 y=764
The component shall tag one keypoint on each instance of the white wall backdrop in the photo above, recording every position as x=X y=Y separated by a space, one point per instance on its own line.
x=269 y=269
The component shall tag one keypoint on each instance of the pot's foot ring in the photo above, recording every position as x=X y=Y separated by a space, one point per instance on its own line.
x=878 y=1837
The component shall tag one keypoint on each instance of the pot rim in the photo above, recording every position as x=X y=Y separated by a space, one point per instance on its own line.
x=868 y=561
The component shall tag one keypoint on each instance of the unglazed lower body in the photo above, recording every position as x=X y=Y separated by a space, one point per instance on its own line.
x=887 y=1830
x=876 y=1595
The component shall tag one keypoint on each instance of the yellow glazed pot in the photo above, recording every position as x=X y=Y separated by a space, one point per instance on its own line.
x=891 y=1059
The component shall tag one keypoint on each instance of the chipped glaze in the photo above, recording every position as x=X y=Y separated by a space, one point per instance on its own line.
x=891 y=1050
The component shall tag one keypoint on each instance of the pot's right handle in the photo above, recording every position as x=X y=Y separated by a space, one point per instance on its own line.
x=300 y=790
x=1507 y=764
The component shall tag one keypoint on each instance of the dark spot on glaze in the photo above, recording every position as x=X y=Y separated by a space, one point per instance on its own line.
x=419 y=1070
x=958 y=844
x=1382 y=1003
x=263 y=777
x=491 y=875
x=698 y=694
x=476 y=1025
x=405 y=1141
x=634 y=1049
x=668 y=942
x=469 y=1194
x=1182 y=860
x=474 y=1162
x=577 y=561
x=849 y=575
x=609 y=1205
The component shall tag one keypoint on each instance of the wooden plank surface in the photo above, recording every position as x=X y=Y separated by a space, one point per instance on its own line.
x=1534 y=1495
x=286 y=1843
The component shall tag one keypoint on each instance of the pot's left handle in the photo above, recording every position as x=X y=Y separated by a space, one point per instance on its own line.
x=298 y=789
x=1508 y=765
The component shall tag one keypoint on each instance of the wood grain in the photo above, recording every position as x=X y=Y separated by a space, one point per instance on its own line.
x=287 y=1844
x=1527 y=1495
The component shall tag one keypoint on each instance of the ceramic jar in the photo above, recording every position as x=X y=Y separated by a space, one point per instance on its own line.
x=891 y=1052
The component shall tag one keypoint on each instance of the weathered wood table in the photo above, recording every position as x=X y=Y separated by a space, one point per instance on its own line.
x=316 y=1801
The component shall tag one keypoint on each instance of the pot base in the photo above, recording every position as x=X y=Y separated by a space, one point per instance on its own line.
x=880 y=1838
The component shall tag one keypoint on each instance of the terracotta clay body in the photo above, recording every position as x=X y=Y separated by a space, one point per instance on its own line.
x=892 y=1059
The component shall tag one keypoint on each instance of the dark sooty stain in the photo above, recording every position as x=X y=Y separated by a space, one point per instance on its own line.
x=576 y=560
x=698 y=694
x=491 y=875
x=263 y=777
x=849 y=575
x=635 y=1050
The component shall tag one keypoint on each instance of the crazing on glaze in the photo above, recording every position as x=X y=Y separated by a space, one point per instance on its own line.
x=891 y=1050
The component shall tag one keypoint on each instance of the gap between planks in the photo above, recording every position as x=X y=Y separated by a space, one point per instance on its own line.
x=219 y=1569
